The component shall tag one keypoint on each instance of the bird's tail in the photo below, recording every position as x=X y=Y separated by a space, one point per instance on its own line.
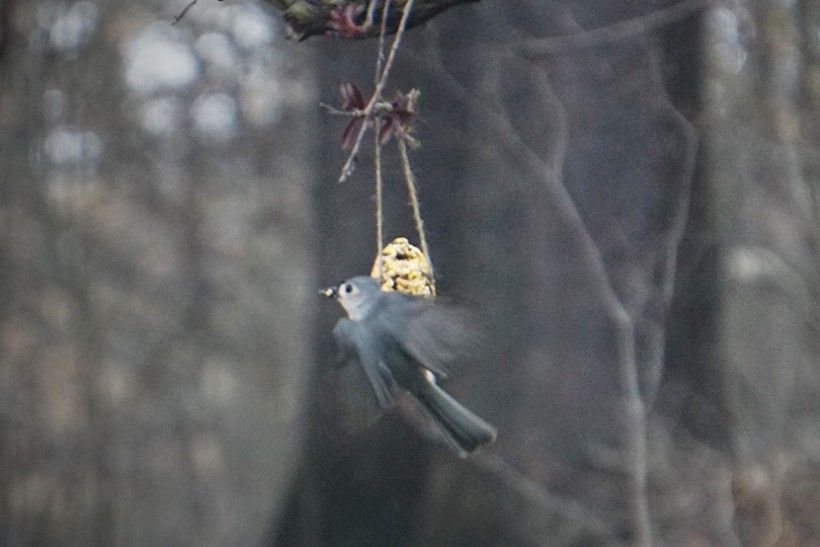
x=464 y=430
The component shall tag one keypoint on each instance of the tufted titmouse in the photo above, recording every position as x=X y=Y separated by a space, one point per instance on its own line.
x=406 y=343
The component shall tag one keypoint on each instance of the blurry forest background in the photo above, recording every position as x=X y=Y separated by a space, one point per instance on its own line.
x=610 y=185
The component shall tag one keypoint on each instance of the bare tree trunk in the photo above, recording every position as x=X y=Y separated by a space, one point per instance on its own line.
x=157 y=278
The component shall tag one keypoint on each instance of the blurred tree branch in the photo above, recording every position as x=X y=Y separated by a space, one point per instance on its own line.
x=635 y=460
x=553 y=45
x=308 y=18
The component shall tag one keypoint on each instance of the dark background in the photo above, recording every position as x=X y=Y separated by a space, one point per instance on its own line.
x=609 y=185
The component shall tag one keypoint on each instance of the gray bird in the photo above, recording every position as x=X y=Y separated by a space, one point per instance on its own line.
x=407 y=343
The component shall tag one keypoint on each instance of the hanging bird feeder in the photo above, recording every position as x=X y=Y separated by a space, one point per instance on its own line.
x=404 y=268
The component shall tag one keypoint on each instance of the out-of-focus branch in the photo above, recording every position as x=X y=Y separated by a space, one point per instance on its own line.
x=568 y=213
x=531 y=490
x=185 y=11
x=669 y=269
x=539 y=47
x=307 y=18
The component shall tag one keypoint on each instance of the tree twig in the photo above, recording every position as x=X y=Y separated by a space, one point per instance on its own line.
x=349 y=165
x=371 y=14
x=382 y=36
x=184 y=11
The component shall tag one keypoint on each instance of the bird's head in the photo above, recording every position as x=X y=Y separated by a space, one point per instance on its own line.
x=357 y=296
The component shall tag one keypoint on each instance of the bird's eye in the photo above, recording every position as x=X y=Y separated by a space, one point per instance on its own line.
x=346 y=288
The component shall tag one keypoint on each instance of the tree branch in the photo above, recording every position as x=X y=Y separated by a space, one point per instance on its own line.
x=617 y=32
x=349 y=164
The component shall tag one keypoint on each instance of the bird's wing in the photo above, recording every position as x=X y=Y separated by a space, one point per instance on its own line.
x=434 y=335
x=345 y=346
x=356 y=343
x=356 y=404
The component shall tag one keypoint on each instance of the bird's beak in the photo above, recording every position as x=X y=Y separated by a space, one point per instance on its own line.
x=329 y=292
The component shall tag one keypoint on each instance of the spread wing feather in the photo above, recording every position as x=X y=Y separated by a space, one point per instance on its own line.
x=357 y=344
x=435 y=335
